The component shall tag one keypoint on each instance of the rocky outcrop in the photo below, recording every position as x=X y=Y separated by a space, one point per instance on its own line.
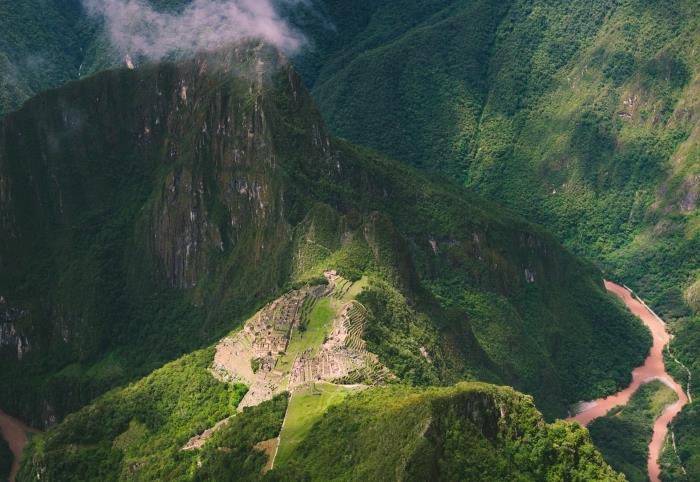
x=10 y=337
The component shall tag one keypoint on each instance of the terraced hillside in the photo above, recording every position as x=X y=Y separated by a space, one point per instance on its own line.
x=292 y=345
x=299 y=338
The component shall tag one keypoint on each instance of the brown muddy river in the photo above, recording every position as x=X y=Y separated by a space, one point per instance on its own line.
x=652 y=369
x=15 y=432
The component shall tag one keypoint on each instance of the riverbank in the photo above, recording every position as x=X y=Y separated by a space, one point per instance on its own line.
x=15 y=432
x=652 y=369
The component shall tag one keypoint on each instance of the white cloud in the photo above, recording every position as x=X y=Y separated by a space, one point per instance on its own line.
x=136 y=28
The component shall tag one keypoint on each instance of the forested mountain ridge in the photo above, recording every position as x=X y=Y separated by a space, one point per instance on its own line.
x=466 y=432
x=579 y=116
x=146 y=211
x=563 y=111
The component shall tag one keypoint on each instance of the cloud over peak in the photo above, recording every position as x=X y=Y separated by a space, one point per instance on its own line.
x=136 y=28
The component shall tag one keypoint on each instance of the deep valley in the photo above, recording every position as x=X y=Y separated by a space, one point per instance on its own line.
x=330 y=240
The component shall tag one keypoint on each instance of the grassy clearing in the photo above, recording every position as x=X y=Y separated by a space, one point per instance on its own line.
x=313 y=336
x=403 y=433
x=305 y=407
x=356 y=289
x=319 y=325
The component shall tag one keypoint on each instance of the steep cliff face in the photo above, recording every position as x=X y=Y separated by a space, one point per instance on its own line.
x=145 y=212
x=9 y=337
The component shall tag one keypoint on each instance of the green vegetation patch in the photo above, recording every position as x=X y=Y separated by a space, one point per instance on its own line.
x=355 y=288
x=136 y=432
x=230 y=453
x=319 y=325
x=682 y=464
x=306 y=406
x=471 y=431
x=466 y=432
x=623 y=435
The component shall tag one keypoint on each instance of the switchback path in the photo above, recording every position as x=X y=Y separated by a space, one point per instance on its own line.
x=652 y=369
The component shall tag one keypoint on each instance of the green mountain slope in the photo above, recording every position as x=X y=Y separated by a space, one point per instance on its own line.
x=145 y=213
x=581 y=116
x=468 y=431
x=578 y=115
x=41 y=45
x=191 y=420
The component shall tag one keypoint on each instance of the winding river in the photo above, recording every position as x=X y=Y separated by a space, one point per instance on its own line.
x=652 y=369
x=15 y=432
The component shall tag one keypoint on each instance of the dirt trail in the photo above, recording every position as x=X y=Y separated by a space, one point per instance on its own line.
x=652 y=369
x=15 y=432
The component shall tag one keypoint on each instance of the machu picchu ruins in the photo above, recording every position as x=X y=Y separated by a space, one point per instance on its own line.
x=271 y=353
x=342 y=358
x=251 y=355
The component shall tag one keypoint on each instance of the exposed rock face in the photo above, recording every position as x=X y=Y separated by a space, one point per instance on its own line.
x=10 y=337
x=196 y=211
x=182 y=230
